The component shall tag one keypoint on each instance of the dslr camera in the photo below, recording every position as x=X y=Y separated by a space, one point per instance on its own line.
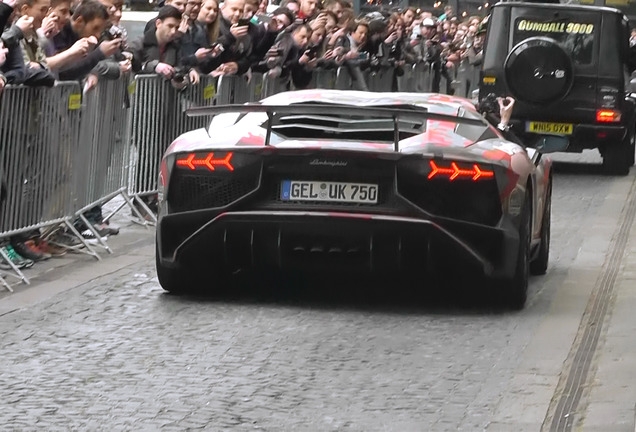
x=489 y=104
x=180 y=74
x=114 y=32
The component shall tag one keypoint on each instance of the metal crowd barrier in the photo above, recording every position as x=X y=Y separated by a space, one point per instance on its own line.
x=381 y=80
x=104 y=150
x=412 y=78
x=41 y=153
x=324 y=78
x=467 y=79
x=158 y=115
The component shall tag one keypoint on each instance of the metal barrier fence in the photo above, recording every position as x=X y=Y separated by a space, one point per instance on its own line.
x=64 y=153
x=104 y=150
x=158 y=115
x=40 y=151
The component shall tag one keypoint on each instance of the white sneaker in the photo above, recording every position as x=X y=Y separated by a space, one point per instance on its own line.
x=90 y=238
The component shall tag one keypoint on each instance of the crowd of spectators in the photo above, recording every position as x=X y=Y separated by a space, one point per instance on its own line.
x=47 y=40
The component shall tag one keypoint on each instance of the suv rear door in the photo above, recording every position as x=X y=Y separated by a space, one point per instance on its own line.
x=550 y=61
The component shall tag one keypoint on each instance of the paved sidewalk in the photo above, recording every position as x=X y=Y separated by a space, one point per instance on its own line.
x=132 y=236
x=611 y=398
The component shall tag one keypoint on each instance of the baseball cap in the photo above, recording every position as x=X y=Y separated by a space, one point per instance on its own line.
x=428 y=22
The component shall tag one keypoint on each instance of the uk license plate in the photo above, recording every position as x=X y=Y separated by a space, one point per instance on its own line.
x=550 y=128
x=359 y=193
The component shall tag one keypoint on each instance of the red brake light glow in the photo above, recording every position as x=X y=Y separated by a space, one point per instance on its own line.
x=608 y=115
x=454 y=172
x=208 y=162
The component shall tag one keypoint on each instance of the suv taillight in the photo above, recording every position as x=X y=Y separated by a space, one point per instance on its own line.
x=608 y=116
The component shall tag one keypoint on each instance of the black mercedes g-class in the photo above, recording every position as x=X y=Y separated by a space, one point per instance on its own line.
x=568 y=68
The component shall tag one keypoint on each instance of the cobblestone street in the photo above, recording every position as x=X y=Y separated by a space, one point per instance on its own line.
x=117 y=353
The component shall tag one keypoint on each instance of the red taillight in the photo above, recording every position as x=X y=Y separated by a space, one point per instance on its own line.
x=209 y=162
x=608 y=115
x=455 y=171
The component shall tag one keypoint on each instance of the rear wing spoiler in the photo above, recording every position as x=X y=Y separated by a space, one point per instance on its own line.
x=275 y=112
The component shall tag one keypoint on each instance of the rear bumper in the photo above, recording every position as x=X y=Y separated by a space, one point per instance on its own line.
x=323 y=241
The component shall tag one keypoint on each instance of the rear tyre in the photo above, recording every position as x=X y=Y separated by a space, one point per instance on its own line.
x=539 y=266
x=514 y=291
x=618 y=158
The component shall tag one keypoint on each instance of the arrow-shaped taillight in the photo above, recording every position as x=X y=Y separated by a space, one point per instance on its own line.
x=208 y=162
x=454 y=171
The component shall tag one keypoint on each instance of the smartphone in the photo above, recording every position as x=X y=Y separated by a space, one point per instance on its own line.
x=312 y=52
x=218 y=47
x=243 y=22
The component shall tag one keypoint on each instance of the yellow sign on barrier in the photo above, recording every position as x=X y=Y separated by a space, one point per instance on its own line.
x=74 y=101
x=131 y=87
x=209 y=91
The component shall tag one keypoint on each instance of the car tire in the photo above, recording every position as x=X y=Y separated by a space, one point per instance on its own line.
x=618 y=158
x=175 y=280
x=538 y=71
x=513 y=291
x=539 y=265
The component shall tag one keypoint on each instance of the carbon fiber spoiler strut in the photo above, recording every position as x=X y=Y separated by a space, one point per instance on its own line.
x=275 y=112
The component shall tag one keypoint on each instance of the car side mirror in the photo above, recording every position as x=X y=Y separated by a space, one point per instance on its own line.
x=552 y=144
x=631 y=87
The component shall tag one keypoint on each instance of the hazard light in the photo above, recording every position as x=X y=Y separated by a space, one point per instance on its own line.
x=454 y=172
x=608 y=115
x=209 y=162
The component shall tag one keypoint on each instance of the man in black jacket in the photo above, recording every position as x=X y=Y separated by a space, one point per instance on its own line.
x=12 y=69
x=89 y=21
x=158 y=51
x=235 y=38
x=432 y=51
x=267 y=33
x=294 y=59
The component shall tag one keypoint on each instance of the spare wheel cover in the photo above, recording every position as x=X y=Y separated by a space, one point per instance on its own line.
x=538 y=71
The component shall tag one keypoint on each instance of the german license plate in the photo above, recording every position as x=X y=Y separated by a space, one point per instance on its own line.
x=361 y=193
x=550 y=128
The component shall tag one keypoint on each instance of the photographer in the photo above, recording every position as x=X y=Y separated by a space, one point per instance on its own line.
x=271 y=28
x=475 y=52
x=498 y=111
x=80 y=35
x=236 y=36
x=23 y=37
x=290 y=57
x=158 y=52
x=351 y=50
x=199 y=45
x=397 y=47
x=431 y=50
x=119 y=62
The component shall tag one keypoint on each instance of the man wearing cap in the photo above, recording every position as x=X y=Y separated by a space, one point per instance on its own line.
x=431 y=50
x=475 y=52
